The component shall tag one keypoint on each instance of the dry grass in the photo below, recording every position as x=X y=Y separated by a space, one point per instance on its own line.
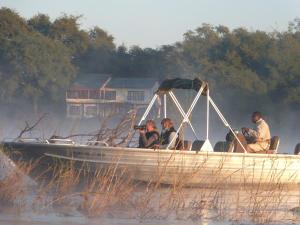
x=16 y=186
x=113 y=191
x=105 y=190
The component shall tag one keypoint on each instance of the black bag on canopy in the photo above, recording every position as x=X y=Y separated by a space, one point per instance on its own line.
x=178 y=83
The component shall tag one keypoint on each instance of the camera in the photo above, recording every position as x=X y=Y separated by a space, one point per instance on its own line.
x=139 y=127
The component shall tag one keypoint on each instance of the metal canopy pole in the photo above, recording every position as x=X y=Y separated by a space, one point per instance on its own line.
x=148 y=109
x=186 y=116
x=207 y=145
x=165 y=106
x=175 y=100
x=226 y=123
x=207 y=115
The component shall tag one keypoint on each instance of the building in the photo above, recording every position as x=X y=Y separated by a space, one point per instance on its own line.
x=100 y=95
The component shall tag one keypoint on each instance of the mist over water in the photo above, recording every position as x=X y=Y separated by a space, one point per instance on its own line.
x=283 y=122
x=285 y=126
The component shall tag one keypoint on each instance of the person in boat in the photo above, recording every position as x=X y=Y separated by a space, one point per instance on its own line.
x=233 y=144
x=259 y=138
x=149 y=137
x=168 y=134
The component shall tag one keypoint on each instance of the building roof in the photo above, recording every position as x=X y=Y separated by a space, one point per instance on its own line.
x=132 y=83
x=92 y=80
x=96 y=81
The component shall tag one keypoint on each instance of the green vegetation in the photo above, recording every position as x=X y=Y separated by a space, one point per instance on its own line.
x=39 y=58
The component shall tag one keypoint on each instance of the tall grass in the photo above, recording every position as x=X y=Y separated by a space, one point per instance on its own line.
x=16 y=186
x=113 y=191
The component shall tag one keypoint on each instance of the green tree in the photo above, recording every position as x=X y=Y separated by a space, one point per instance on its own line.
x=40 y=23
x=100 y=39
x=33 y=67
x=98 y=56
x=67 y=30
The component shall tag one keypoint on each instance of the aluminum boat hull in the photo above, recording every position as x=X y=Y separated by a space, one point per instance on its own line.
x=188 y=168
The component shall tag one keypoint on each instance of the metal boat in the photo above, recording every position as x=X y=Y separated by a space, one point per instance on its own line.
x=199 y=164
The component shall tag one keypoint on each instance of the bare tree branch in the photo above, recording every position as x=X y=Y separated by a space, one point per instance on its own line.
x=29 y=127
x=120 y=135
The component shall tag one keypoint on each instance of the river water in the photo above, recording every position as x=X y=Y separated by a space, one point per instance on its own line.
x=158 y=206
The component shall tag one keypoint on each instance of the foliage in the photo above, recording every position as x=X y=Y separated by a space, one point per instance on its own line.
x=40 y=58
x=33 y=67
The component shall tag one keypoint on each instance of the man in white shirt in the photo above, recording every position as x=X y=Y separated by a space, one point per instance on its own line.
x=260 y=135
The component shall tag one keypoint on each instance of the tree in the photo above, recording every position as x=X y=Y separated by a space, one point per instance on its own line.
x=39 y=58
x=32 y=66
x=66 y=30
x=98 y=56
x=40 y=23
x=100 y=39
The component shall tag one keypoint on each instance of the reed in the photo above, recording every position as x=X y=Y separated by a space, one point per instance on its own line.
x=16 y=186
x=104 y=190
x=113 y=191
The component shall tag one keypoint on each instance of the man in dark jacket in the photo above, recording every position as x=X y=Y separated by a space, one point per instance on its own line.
x=149 y=138
x=168 y=134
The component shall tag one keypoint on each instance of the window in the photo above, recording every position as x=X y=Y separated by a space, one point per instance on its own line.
x=101 y=94
x=75 y=110
x=77 y=94
x=83 y=94
x=90 y=110
x=136 y=96
x=109 y=95
x=72 y=94
x=94 y=94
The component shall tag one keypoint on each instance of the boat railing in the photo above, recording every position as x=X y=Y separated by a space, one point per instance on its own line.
x=60 y=141
x=41 y=140
x=98 y=143
x=32 y=140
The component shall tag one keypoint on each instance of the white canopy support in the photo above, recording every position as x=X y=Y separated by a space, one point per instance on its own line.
x=185 y=115
x=148 y=109
x=225 y=122
x=207 y=145
x=207 y=115
x=175 y=100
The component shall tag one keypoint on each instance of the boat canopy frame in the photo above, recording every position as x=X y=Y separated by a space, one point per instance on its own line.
x=202 y=88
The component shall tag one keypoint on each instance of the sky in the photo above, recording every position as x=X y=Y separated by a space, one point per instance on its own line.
x=152 y=23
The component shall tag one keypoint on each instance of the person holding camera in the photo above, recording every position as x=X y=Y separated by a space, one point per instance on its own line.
x=259 y=138
x=149 y=137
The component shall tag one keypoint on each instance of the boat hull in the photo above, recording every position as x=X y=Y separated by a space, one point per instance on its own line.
x=187 y=168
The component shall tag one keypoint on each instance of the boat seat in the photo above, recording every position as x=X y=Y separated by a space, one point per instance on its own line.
x=274 y=144
x=197 y=144
x=223 y=146
x=297 y=149
x=187 y=145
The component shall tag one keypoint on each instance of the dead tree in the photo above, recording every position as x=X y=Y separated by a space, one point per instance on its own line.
x=29 y=127
x=120 y=135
